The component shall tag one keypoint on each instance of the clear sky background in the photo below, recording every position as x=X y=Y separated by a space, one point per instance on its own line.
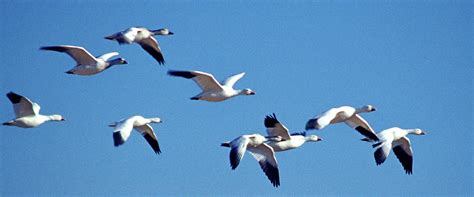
x=412 y=61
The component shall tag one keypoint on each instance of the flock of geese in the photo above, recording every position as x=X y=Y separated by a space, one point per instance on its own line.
x=262 y=148
x=278 y=138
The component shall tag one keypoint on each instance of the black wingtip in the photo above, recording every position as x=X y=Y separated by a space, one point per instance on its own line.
x=157 y=152
x=111 y=37
x=153 y=143
x=311 y=124
x=161 y=62
x=157 y=55
x=54 y=48
x=7 y=123
x=225 y=144
x=376 y=144
x=405 y=159
x=379 y=156
x=272 y=173
x=270 y=120
x=367 y=133
x=234 y=158
x=118 y=140
x=276 y=183
x=194 y=98
x=185 y=74
x=14 y=97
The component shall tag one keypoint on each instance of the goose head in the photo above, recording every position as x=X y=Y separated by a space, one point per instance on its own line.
x=56 y=117
x=368 y=108
x=118 y=61
x=418 y=132
x=162 y=32
x=313 y=138
x=247 y=91
x=155 y=120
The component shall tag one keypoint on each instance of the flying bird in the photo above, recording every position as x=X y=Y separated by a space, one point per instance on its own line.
x=27 y=113
x=212 y=90
x=262 y=152
x=263 y=148
x=86 y=63
x=395 y=138
x=144 y=37
x=124 y=127
x=346 y=114
x=287 y=141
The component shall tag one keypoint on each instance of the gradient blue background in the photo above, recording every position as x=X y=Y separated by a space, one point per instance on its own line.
x=413 y=61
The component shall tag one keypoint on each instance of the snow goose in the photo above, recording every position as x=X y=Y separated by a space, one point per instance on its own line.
x=86 y=63
x=124 y=127
x=287 y=142
x=211 y=89
x=346 y=114
x=395 y=138
x=144 y=38
x=262 y=152
x=27 y=113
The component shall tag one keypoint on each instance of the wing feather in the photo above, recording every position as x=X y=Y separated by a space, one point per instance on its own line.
x=237 y=151
x=149 y=135
x=205 y=81
x=22 y=105
x=322 y=120
x=151 y=46
x=360 y=124
x=275 y=128
x=107 y=56
x=79 y=54
x=265 y=156
x=122 y=131
x=403 y=151
x=382 y=152
x=230 y=81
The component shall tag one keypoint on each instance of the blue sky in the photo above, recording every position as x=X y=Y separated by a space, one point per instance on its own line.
x=412 y=61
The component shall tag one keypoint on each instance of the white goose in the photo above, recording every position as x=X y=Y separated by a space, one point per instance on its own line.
x=287 y=142
x=144 y=38
x=27 y=113
x=86 y=63
x=263 y=148
x=124 y=127
x=346 y=114
x=395 y=138
x=262 y=152
x=211 y=89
